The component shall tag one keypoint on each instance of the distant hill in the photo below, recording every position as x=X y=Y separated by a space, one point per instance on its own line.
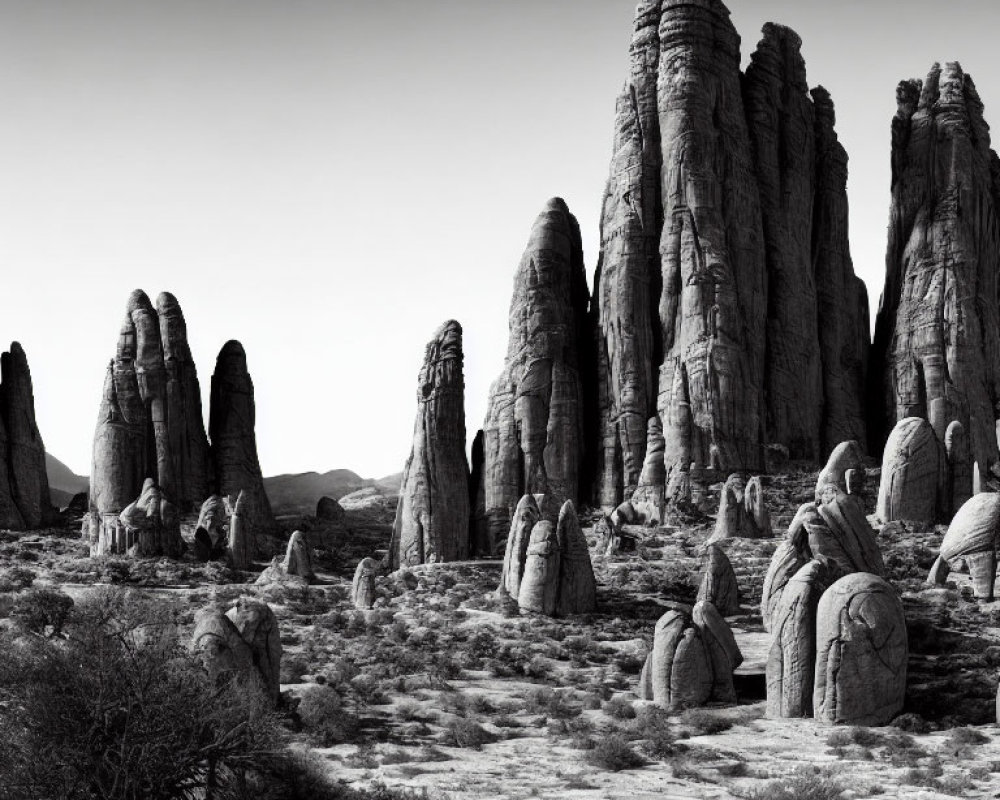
x=62 y=478
x=289 y=494
x=299 y=493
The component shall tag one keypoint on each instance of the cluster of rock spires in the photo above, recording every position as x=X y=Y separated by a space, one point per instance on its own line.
x=24 y=484
x=151 y=443
x=546 y=567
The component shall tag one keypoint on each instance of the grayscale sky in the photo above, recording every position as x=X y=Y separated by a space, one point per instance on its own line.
x=329 y=180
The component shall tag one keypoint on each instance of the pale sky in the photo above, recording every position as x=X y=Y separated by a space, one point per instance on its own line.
x=328 y=181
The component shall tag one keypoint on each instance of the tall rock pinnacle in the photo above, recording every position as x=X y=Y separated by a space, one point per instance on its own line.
x=937 y=336
x=150 y=424
x=232 y=429
x=723 y=240
x=24 y=484
x=534 y=429
x=432 y=518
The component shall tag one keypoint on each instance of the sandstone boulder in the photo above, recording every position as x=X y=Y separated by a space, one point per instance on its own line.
x=539 y=590
x=846 y=457
x=298 y=557
x=692 y=661
x=241 y=537
x=791 y=661
x=972 y=535
x=258 y=627
x=222 y=649
x=913 y=474
x=577 y=585
x=742 y=511
x=959 y=486
x=526 y=515
x=363 y=585
x=329 y=510
x=213 y=518
x=432 y=517
x=861 y=652
x=718 y=585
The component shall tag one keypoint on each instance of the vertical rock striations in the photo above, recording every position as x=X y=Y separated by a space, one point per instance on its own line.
x=231 y=427
x=432 y=518
x=24 y=484
x=534 y=429
x=725 y=295
x=936 y=353
x=150 y=423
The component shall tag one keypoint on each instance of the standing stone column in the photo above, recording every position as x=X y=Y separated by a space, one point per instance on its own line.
x=432 y=518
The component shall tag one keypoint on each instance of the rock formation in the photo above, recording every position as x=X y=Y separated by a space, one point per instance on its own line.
x=258 y=627
x=837 y=528
x=231 y=427
x=547 y=567
x=432 y=518
x=213 y=519
x=936 y=352
x=972 y=536
x=526 y=515
x=692 y=660
x=482 y=543
x=298 y=557
x=329 y=510
x=959 y=482
x=792 y=658
x=726 y=299
x=847 y=457
x=150 y=422
x=241 y=542
x=914 y=473
x=223 y=651
x=649 y=497
x=363 y=585
x=742 y=511
x=861 y=653
x=718 y=584
x=24 y=484
x=534 y=428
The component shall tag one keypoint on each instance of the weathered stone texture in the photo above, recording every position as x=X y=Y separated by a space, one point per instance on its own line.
x=846 y=457
x=742 y=511
x=231 y=427
x=959 y=457
x=692 y=661
x=150 y=423
x=861 y=652
x=534 y=429
x=241 y=537
x=649 y=497
x=914 y=474
x=936 y=353
x=726 y=298
x=972 y=535
x=432 y=518
x=258 y=627
x=298 y=557
x=791 y=660
x=363 y=585
x=718 y=584
x=329 y=510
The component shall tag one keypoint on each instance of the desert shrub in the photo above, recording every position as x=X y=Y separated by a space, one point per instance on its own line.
x=121 y=709
x=911 y=723
x=324 y=718
x=652 y=725
x=800 y=787
x=366 y=691
x=619 y=708
x=13 y=579
x=614 y=753
x=443 y=667
x=293 y=667
x=42 y=610
x=468 y=734
x=705 y=723
x=967 y=736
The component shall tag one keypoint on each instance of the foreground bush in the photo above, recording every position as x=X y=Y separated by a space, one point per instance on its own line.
x=119 y=709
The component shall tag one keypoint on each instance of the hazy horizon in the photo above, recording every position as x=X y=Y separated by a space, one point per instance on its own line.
x=328 y=181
